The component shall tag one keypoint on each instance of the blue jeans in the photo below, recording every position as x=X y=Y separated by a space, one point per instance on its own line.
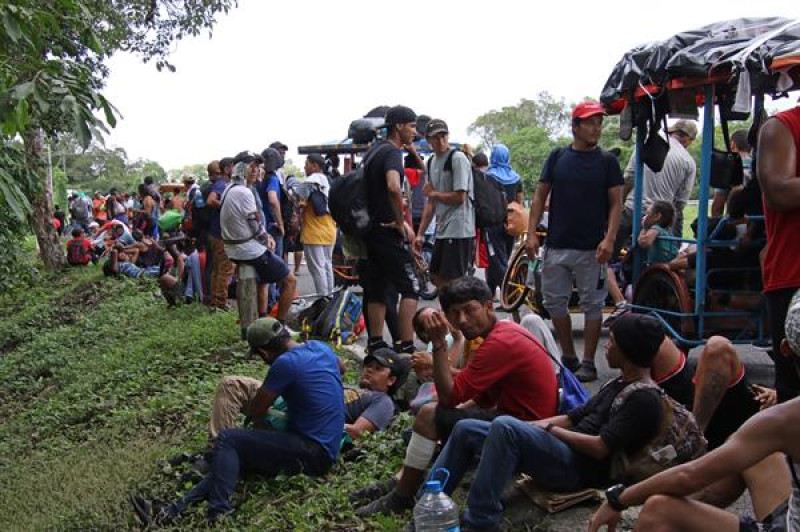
x=506 y=446
x=194 y=278
x=263 y=452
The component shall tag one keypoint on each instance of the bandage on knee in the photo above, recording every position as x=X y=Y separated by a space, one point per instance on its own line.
x=419 y=452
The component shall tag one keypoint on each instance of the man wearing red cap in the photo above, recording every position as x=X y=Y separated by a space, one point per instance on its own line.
x=584 y=185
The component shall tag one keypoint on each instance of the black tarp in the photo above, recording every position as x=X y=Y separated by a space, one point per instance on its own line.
x=746 y=44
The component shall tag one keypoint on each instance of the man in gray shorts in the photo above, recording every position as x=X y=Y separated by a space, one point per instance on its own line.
x=584 y=184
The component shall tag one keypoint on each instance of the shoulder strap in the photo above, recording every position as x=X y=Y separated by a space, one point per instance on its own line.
x=448 y=163
x=629 y=389
x=531 y=336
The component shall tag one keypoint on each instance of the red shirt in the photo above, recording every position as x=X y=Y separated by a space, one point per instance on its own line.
x=412 y=174
x=510 y=371
x=86 y=246
x=782 y=259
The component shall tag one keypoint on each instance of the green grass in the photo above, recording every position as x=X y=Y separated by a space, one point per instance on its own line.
x=100 y=383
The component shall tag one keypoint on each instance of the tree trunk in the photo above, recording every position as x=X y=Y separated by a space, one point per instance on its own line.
x=41 y=200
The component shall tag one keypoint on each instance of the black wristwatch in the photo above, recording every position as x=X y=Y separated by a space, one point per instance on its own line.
x=612 y=496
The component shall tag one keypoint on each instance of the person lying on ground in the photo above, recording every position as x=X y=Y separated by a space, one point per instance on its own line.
x=308 y=378
x=368 y=408
x=754 y=450
x=509 y=374
x=565 y=452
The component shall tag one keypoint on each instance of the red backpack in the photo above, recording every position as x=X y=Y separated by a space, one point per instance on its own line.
x=77 y=254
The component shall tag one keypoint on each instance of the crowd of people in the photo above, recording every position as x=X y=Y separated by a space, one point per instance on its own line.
x=484 y=392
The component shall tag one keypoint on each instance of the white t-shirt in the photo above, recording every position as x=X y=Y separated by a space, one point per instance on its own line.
x=240 y=220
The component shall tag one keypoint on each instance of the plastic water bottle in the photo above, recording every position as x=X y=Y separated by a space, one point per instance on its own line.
x=435 y=511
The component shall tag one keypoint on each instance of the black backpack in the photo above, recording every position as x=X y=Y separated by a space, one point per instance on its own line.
x=290 y=213
x=490 y=198
x=347 y=200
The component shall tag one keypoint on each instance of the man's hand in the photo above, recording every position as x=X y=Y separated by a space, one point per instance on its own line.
x=422 y=363
x=436 y=327
x=541 y=423
x=270 y=242
x=604 y=250
x=767 y=397
x=605 y=515
x=428 y=190
x=532 y=244
x=417 y=245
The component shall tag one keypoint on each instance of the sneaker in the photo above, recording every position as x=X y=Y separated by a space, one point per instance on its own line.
x=620 y=309
x=391 y=503
x=380 y=344
x=150 y=513
x=571 y=363
x=373 y=491
x=587 y=372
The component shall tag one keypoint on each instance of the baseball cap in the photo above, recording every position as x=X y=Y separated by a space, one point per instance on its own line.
x=316 y=158
x=247 y=157
x=399 y=114
x=792 y=324
x=278 y=145
x=388 y=358
x=587 y=109
x=436 y=126
x=187 y=178
x=687 y=127
x=263 y=331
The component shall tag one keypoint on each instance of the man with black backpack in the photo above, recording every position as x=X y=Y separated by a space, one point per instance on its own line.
x=388 y=246
x=450 y=192
x=584 y=186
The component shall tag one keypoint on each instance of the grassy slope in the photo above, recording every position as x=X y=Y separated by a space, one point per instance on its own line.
x=99 y=382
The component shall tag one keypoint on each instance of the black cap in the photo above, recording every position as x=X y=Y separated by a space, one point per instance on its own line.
x=278 y=145
x=399 y=114
x=272 y=159
x=225 y=161
x=317 y=159
x=247 y=157
x=639 y=337
x=436 y=126
x=388 y=358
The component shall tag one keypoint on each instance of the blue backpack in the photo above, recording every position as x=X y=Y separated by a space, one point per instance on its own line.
x=571 y=392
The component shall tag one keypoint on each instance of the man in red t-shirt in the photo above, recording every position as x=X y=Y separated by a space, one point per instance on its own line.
x=779 y=175
x=509 y=374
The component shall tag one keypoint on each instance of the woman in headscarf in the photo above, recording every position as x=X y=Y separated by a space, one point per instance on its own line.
x=500 y=242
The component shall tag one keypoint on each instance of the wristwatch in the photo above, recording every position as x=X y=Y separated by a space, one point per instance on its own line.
x=612 y=496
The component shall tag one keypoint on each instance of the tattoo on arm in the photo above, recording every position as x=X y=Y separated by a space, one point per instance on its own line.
x=708 y=395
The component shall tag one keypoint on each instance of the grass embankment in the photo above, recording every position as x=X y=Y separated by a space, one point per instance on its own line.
x=100 y=383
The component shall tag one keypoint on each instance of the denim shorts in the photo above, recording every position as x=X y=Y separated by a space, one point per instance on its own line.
x=563 y=267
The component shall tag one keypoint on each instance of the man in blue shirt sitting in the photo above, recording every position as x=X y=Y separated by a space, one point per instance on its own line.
x=308 y=379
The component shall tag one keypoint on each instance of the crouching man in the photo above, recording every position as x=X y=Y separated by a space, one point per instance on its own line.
x=307 y=376
x=368 y=408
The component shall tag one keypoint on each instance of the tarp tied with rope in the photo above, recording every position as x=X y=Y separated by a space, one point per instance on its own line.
x=761 y=48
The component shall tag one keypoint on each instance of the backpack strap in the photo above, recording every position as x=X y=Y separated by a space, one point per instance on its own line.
x=221 y=202
x=630 y=389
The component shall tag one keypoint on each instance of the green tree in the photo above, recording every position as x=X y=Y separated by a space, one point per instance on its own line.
x=546 y=112
x=52 y=70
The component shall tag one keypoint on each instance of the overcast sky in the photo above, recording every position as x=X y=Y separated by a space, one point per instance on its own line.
x=299 y=71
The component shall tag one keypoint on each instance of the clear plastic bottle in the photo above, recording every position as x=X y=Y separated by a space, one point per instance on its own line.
x=435 y=511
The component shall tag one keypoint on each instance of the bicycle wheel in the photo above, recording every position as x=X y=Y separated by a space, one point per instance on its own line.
x=514 y=291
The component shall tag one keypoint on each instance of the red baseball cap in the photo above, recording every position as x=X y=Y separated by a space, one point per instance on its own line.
x=587 y=109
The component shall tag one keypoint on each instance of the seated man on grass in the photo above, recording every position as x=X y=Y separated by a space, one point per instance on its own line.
x=509 y=374
x=765 y=451
x=565 y=452
x=308 y=379
x=368 y=408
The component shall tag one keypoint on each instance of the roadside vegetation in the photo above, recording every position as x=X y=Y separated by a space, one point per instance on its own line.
x=100 y=384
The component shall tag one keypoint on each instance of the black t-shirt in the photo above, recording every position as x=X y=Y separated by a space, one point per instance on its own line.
x=380 y=159
x=633 y=424
x=579 y=205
